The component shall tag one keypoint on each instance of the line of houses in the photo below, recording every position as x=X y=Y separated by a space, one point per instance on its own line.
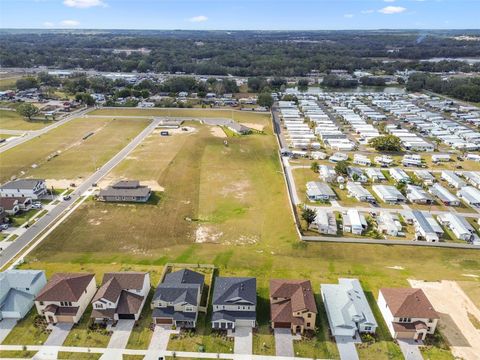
x=177 y=301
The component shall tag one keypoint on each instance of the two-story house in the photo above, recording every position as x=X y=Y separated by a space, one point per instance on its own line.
x=292 y=305
x=121 y=296
x=177 y=299
x=18 y=289
x=234 y=303
x=407 y=312
x=30 y=188
x=65 y=297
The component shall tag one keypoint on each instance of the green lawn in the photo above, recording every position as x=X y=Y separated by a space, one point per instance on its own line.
x=11 y=120
x=85 y=335
x=23 y=217
x=62 y=355
x=5 y=354
x=31 y=330
x=263 y=341
x=75 y=157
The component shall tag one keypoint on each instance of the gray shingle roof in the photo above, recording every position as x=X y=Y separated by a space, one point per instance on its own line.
x=21 y=184
x=235 y=290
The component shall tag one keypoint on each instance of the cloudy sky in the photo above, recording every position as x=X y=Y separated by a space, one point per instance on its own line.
x=241 y=15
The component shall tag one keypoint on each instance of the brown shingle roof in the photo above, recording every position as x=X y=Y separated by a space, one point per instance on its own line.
x=129 y=303
x=8 y=203
x=65 y=287
x=298 y=295
x=409 y=303
x=114 y=283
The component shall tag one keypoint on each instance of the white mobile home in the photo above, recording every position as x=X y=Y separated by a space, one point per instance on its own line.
x=354 y=222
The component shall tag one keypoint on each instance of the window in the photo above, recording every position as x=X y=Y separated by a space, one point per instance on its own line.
x=308 y=324
x=368 y=328
x=41 y=303
x=309 y=315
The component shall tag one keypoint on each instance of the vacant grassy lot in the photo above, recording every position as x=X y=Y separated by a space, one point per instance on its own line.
x=240 y=116
x=75 y=157
x=11 y=120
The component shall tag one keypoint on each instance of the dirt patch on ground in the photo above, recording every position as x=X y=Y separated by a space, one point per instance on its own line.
x=205 y=234
x=254 y=126
x=218 y=132
x=454 y=307
x=243 y=240
x=61 y=183
x=238 y=189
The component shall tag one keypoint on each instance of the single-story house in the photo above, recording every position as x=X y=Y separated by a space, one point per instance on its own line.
x=347 y=308
x=319 y=191
x=453 y=179
x=177 y=299
x=389 y=194
x=359 y=192
x=375 y=175
x=121 y=296
x=325 y=222
x=354 y=222
x=234 y=303
x=425 y=176
x=389 y=224
x=472 y=177
x=65 y=297
x=327 y=173
x=18 y=289
x=460 y=227
x=426 y=227
x=407 y=312
x=445 y=196
x=470 y=195
x=418 y=195
x=399 y=175
x=126 y=191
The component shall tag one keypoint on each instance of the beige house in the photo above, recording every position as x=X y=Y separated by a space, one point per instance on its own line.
x=65 y=297
x=407 y=312
x=292 y=305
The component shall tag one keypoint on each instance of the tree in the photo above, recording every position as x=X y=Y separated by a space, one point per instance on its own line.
x=308 y=215
x=85 y=98
x=27 y=110
x=265 y=99
x=302 y=84
x=341 y=168
x=314 y=166
x=26 y=83
x=386 y=143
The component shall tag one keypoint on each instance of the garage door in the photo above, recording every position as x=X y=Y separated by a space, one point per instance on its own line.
x=65 y=318
x=126 y=316
x=281 y=325
x=163 y=321
x=247 y=323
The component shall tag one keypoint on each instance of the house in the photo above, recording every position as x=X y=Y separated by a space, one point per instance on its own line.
x=460 y=227
x=417 y=195
x=362 y=160
x=347 y=308
x=452 y=179
x=318 y=191
x=375 y=175
x=327 y=173
x=384 y=160
x=407 y=312
x=354 y=222
x=356 y=174
x=389 y=194
x=426 y=227
x=292 y=305
x=400 y=176
x=13 y=205
x=238 y=128
x=425 y=176
x=337 y=157
x=412 y=160
x=65 y=297
x=436 y=158
x=177 y=299
x=359 y=192
x=234 y=303
x=29 y=188
x=18 y=289
x=472 y=177
x=445 y=196
x=121 y=296
x=126 y=191
x=325 y=222
x=389 y=224
x=470 y=195
x=3 y=216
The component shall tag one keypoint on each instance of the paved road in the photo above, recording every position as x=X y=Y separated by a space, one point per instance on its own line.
x=33 y=134
x=43 y=223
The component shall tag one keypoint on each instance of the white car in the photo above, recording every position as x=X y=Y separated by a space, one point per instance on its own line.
x=4 y=227
x=37 y=205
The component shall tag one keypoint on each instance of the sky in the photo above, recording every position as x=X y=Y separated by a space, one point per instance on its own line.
x=241 y=15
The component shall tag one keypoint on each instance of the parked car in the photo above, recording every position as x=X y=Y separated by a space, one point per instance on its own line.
x=4 y=227
x=37 y=205
x=67 y=197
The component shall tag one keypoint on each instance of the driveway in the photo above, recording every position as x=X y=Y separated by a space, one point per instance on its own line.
x=159 y=341
x=6 y=325
x=121 y=333
x=243 y=340
x=283 y=342
x=59 y=334
x=346 y=347
x=410 y=350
